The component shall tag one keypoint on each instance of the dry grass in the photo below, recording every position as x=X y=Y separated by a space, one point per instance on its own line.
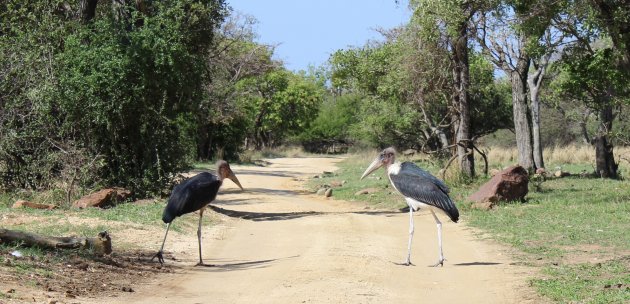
x=573 y=154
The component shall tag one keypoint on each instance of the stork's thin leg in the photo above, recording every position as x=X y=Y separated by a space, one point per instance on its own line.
x=439 y=231
x=201 y=263
x=408 y=261
x=159 y=253
x=199 y=235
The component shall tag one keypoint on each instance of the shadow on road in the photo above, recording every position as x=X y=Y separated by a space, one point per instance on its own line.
x=477 y=264
x=263 y=191
x=279 y=216
x=241 y=265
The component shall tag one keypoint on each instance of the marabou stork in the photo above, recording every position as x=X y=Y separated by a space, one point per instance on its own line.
x=420 y=189
x=195 y=194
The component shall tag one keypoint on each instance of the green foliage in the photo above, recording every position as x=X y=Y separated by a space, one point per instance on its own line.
x=591 y=76
x=108 y=90
x=332 y=121
x=404 y=87
x=279 y=104
x=490 y=99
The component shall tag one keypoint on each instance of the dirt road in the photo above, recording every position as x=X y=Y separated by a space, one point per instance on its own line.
x=279 y=244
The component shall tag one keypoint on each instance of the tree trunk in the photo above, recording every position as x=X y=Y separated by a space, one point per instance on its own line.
x=535 y=82
x=87 y=10
x=537 y=145
x=462 y=80
x=101 y=244
x=518 y=78
x=605 y=164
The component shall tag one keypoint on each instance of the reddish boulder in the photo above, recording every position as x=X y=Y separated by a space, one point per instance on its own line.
x=102 y=198
x=508 y=185
x=23 y=203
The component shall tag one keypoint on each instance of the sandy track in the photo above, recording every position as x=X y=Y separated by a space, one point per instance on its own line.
x=283 y=245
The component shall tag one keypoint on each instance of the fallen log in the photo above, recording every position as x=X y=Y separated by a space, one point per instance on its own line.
x=102 y=244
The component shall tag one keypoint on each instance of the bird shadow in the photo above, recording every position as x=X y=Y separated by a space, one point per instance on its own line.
x=477 y=264
x=280 y=216
x=263 y=216
x=240 y=265
x=266 y=173
x=263 y=191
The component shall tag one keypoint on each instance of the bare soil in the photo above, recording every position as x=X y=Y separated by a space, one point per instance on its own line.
x=276 y=242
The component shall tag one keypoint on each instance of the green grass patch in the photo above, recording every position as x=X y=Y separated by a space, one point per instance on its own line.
x=606 y=282
x=560 y=229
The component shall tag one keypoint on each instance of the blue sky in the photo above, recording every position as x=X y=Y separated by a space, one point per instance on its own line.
x=308 y=31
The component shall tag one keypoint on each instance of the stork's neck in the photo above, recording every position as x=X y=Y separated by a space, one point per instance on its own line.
x=393 y=168
x=220 y=175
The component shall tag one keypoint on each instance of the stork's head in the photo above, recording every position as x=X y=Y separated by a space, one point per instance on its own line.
x=385 y=158
x=224 y=171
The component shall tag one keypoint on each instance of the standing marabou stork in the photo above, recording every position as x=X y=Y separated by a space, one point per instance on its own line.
x=420 y=189
x=195 y=194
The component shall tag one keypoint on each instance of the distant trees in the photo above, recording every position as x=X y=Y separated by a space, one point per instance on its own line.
x=406 y=88
x=129 y=93
x=594 y=69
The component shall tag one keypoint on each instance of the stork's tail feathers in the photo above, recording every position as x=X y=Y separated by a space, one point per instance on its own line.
x=168 y=216
x=452 y=211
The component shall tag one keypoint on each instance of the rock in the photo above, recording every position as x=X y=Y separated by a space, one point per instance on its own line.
x=27 y=204
x=336 y=184
x=561 y=173
x=321 y=191
x=328 y=192
x=541 y=171
x=122 y=194
x=367 y=191
x=103 y=198
x=508 y=185
x=127 y=289
x=97 y=199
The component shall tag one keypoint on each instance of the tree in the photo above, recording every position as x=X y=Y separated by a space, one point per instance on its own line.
x=594 y=70
x=510 y=34
x=223 y=121
x=117 y=82
x=280 y=104
x=449 y=20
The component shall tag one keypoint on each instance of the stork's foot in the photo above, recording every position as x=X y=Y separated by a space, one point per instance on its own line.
x=406 y=263
x=439 y=263
x=204 y=264
x=159 y=256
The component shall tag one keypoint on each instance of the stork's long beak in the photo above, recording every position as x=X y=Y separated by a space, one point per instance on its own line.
x=377 y=163
x=233 y=177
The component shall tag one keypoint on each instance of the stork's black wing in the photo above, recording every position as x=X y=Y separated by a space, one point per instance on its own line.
x=420 y=185
x=191 y=195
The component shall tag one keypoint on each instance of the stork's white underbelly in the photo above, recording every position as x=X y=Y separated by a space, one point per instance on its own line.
x=416 y=205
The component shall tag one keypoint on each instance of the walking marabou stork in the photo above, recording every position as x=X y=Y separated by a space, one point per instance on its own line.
x=420 y=189
x=195 y=194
